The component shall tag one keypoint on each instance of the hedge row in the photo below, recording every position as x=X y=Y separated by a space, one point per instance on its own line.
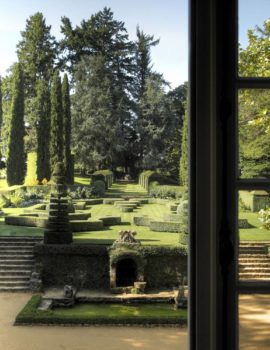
x=31 y=221
x=154 y=225
x=165 y=226
x=86 y=225
x=31 y=315
x=142 y=220
x=34 y=221
x=111 y=200
x=172 y=217
x=111 y=220
x=165 y=191
x=104 y=175
x=149 y=176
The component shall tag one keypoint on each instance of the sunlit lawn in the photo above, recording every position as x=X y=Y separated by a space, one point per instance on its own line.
x=254 y=232
x=94 y=313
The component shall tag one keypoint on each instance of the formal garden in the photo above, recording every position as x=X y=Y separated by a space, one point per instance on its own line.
x=94 y=178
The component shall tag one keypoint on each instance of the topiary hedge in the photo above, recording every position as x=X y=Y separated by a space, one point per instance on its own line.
x=165 y=226
x=111 y=200
x=148 y=176
x=31 y=221
x=126 y=209
x=105 y=175
x=86 y=225
x=111 y=220
x=142 y=220
x=165 y=191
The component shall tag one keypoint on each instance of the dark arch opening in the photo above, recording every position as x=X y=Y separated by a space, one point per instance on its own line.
x=126 y=273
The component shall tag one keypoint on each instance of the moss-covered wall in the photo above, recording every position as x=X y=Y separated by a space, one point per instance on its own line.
x=63 y=264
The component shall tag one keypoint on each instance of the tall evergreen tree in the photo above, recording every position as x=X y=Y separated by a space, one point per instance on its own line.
x=143 y=59
x=96 y=129
x=42 y=106
x=37 y=52
x=155 y=124
x=1 y=113
x=104 y=37
x=56 y=132
x=184 y=153
x=16 y=156
x=67 y=129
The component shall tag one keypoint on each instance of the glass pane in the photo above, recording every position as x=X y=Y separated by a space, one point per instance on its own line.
x=254 y=322
x=254 y=236
x=254 y=133
x=254 y=34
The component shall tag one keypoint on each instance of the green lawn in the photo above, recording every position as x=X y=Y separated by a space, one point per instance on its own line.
x=109 y=234
x=102 y=314
x=81 y=180
x=254 y=232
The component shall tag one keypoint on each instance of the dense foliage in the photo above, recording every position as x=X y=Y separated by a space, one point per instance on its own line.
x=254 y=106
x=16 y=155
x=43 y=130
x=67 y=130
x=56 y=132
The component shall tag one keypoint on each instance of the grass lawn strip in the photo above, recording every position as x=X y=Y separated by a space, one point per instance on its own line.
x=98 y=314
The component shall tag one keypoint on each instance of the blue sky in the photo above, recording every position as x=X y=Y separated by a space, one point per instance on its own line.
x=167 y=20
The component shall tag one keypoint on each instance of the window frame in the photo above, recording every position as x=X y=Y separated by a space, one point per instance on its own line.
x=213 y=175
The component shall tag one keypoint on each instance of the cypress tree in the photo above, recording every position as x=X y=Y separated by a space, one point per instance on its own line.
x=16 y=156
x=184 y=153
x=67 y=130
x=1 y=109
x=56 y=132
x=43 y=130
x=1 y=113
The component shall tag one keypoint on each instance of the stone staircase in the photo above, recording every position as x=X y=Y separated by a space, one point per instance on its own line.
x=254 y=261
x=16 y=262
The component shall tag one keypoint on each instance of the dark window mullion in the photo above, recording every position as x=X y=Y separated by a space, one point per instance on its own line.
x=253 y=83
x=253 y=287
x=253 y=184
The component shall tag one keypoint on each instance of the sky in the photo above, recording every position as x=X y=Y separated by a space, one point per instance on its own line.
x=167 y=20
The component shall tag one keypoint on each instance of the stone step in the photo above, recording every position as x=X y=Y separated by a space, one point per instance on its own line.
x=255 y=264
x=12 y=256
x=20 y=239
x=15 y=251
x=15 y=272
x=10 y=244
x=254 y=275
x=14 y=289
x=22 y=284
x=254 y=269
x=261 y=250
x=17 y=261
x=254 y=278
x=15 y=278
x=15 y=266
x=254 y=256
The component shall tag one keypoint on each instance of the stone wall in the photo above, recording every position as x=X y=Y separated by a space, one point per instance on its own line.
x=64 y=264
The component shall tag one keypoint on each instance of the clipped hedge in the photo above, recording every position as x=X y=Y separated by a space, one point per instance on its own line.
x=79 y=205
x=31 y=221
x=86 y=225
x=126 y=209
x=110 y=220
x=104 y=175
x=172 y=217
x=148 y=176
x=111 y=200
x=165 y=191
x=31 y=315
x=165 y=226
x=142 y=220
